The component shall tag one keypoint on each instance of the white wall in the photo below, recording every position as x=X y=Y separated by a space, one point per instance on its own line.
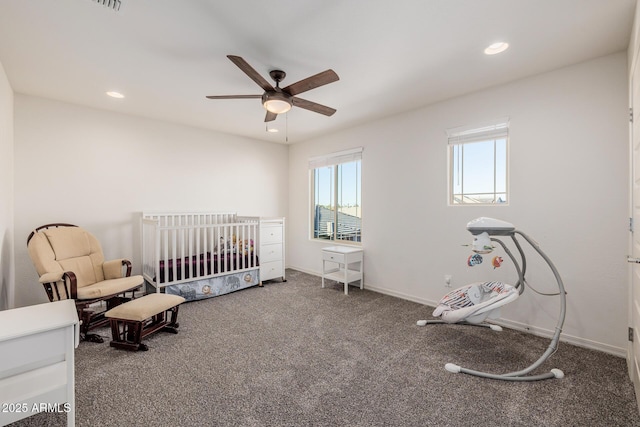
x=568 y=182
x=101 y=169
x=7 y=271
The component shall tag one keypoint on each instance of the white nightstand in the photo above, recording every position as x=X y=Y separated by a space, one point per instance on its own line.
x=343 y=256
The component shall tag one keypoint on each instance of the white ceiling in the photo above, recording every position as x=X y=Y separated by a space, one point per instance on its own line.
x=166 y=55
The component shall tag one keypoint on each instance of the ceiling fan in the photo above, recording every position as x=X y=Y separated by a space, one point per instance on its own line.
x=277 y=100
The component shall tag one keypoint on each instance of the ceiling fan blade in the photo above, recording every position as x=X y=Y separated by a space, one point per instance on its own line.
x=249 y=71
x=233 y=96
x=320 y=79
x=270 y=116
x=313 y=106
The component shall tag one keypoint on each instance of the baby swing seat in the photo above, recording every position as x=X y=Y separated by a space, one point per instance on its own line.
x=475 y=303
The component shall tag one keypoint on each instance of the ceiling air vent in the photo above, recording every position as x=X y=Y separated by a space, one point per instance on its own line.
x=113 y=4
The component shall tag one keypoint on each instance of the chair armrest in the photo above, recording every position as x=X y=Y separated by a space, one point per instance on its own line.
x=53 y=282
x=51 y=277
x=113 y=269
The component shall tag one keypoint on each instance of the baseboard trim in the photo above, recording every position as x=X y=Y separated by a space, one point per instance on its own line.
x=569 y=339
x=541 y=332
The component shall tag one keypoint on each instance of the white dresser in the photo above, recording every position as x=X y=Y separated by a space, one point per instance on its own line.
x=37 y=373
x=271 y=249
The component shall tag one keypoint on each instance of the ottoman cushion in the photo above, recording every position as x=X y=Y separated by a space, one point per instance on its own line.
x=144 y=307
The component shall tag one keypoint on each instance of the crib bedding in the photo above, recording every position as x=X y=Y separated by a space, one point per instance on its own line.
x=214 y=286
x=204 y=265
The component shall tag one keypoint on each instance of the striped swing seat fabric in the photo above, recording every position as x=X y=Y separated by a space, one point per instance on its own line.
x=464 y=303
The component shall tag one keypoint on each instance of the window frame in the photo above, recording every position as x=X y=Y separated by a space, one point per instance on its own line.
x=489 y=132
x=333 y=160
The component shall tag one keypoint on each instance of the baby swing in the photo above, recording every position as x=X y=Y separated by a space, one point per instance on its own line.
x=474 y=303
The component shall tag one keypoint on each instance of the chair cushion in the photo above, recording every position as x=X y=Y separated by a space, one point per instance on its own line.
x=68 y=249
x=109 y=287
x=82 y=267
x=68 y=242
x=43 y=257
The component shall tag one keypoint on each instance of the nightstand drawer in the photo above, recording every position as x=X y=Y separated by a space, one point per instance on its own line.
x=270 y=253
x=270 y=235
x=333 y=257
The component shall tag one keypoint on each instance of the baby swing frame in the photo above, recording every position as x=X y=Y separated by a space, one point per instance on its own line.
x=500 y=228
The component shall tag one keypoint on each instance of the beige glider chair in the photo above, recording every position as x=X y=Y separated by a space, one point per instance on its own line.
x=70 y=263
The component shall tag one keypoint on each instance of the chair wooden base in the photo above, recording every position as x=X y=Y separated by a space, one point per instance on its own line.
x=90 y=319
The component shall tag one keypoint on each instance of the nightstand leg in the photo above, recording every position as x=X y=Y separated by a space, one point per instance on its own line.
x=346 y=283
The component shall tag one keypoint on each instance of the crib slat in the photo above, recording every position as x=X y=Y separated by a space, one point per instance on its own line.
x=242 y=245
x=173 y=255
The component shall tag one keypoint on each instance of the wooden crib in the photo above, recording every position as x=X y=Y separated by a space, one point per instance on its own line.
x=199 y=255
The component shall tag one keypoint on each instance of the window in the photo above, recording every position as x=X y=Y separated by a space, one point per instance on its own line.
x=336 y=196
x=478 y=164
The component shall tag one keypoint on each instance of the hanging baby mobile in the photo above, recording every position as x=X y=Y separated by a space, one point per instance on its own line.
x=482 y=245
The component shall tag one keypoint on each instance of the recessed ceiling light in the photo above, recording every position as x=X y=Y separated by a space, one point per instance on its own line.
x=115 y=94
x=272 y=130
x=496 y=48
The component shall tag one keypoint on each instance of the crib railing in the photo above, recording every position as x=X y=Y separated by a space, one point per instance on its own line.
x=182 y=247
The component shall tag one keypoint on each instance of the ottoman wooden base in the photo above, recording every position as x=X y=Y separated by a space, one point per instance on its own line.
x=134 y=320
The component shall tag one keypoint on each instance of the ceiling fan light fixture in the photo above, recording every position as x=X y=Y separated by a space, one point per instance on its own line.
x=276 y=102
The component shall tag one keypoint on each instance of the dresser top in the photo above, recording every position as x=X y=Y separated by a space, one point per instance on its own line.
x=33 y=319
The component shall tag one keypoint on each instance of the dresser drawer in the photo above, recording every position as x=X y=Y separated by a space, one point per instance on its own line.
x=32 y=351
x=270 y=235
x=333 y=257
x=270 y=270
x=270 y=253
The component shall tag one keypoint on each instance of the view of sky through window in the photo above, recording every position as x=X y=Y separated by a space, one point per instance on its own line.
x=479 y=172
x=337 y=193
